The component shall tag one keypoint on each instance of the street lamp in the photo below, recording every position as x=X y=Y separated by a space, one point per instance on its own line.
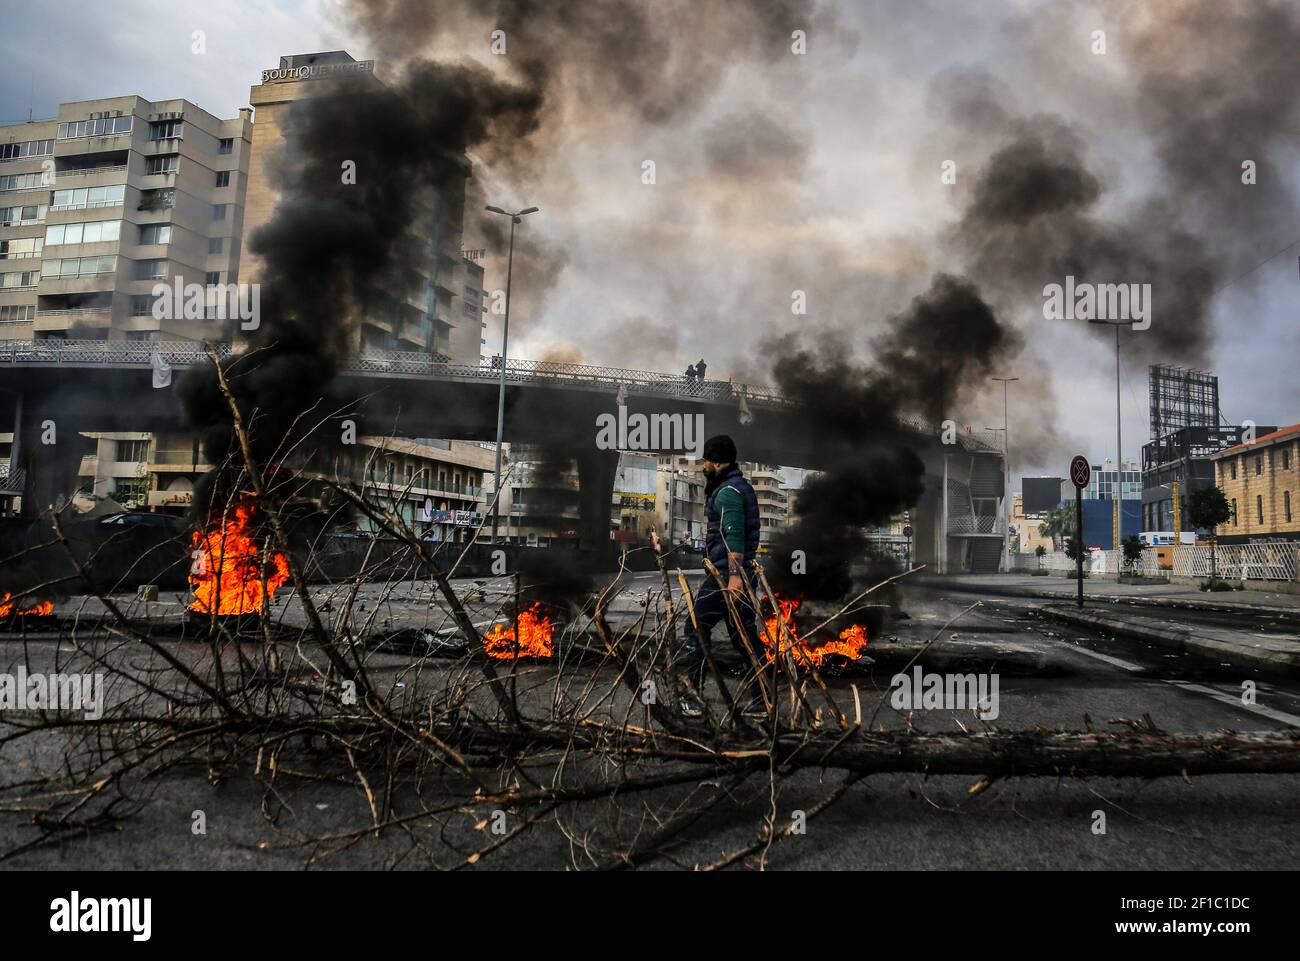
x=1006 y=478
x=515 y=218
x=1117 y=494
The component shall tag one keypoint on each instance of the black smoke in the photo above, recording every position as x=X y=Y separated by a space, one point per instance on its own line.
x=367 y=171
x=927 y=361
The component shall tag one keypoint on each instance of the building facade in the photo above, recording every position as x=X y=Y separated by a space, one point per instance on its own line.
x=1261 y=481
x=109 y=199
x=431 y=318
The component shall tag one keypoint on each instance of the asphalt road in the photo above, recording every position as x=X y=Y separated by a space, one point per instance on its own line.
x=1073 y=678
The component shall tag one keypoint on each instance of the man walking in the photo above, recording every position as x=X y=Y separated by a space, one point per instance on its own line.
x=730 y=543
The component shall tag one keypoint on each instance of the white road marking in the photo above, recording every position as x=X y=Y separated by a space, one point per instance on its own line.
x=1281 y=717
x=1291 y=720
x=1113 y=661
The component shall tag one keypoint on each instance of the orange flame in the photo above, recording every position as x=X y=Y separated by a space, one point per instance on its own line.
x=536 y=636
x=849 y=645
x=7 y=607
x=227 y=576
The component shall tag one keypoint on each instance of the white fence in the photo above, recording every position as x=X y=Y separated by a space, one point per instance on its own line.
x=1277 y=561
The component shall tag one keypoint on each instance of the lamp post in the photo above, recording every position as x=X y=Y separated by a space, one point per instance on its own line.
x=1117 y=493
x=515 y=218
x=1006 y=478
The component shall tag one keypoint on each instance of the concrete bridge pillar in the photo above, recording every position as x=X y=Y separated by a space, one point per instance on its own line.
x=596 y=472
x=50 y=451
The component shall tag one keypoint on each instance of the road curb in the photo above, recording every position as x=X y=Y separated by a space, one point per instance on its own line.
x=1180 y=640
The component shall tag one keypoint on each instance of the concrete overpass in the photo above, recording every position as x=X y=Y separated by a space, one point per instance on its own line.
x=106 y=386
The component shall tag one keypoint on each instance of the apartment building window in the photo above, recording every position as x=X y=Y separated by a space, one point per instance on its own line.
x=22 y=278
x=16 y=313
x=216 y=245
x=212 y=278
x=165 y=129
x=155 y=233
x=164 y=164
x=1286 y=458
x=150 y=270
x=227 y=145
x=133 y=451
x=21 y=216
x=21 y=249
x=81 y=197
x=219 y=211
x=95 y=232
x=101 y=127
x=1232 y=466
x=223 y=178
x=1286 y=505
x=24 y=181
x=78 y=267
x=1234 y=512
x=1259 y=507
x=159 y=198
x=1259 y=465
x=141 y=305
x=29 y=148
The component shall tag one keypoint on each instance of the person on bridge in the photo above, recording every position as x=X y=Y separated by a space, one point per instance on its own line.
x=730 y=543
x=690 y=376
x=700 y=367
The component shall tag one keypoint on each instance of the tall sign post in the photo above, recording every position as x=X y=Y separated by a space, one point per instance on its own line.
x=1080 y=474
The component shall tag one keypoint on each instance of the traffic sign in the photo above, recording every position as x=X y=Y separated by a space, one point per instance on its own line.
x=907 y=531
x=1080 y=471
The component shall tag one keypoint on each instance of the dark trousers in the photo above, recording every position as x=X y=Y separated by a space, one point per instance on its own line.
x=710 y=609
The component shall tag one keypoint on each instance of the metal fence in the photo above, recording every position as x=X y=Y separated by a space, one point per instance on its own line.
x=1277 y=561
x=131 y=353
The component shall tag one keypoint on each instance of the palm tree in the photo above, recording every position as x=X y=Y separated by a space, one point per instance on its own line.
x=1057 y=525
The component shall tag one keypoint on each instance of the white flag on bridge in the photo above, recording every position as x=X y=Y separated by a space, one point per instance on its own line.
x=162 y=371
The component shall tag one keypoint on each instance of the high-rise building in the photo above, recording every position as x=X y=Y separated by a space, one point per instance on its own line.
x=466 y=337
x=108 y=199
x=429 y=319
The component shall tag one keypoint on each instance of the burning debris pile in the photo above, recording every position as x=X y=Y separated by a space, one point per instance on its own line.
x=536 y=638
x=845 y=648
x=9 y=608
x=232 y=573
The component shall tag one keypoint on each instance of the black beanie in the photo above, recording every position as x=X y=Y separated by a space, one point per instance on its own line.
x=720 y=449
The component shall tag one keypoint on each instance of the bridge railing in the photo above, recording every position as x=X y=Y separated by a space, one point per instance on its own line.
x=412 y=363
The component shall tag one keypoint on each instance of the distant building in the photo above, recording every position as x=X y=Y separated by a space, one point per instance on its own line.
x=108 y=199
x=427 y=318
x=1184 y=457
x=1025 y=537
x=773 y=501
x=1261 y=480
x=1041 y=494
x=679 y=501
x=466 y=337
x=632 y=515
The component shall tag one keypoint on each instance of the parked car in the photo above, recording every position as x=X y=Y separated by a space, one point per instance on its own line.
x=143 y=519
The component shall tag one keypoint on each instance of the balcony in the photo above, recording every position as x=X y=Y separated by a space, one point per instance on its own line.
x=79 y=174
x=183 y=460
x=59 y=320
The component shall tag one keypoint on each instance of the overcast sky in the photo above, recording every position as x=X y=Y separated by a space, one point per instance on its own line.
x=820 y=172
